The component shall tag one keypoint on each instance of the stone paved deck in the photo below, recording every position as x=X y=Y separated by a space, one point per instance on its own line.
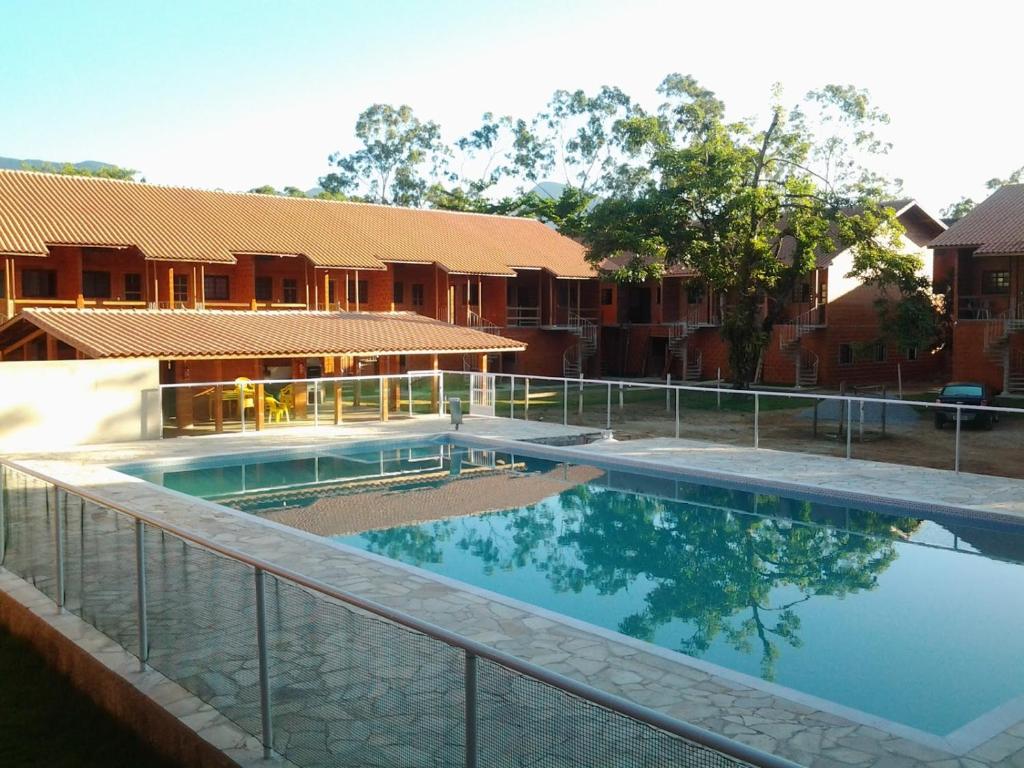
x=764 y=716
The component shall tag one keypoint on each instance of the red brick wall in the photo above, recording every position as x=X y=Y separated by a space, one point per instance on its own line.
x=543 y=355
x=971 y=362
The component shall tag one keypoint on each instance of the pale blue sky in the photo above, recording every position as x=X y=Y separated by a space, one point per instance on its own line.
x=236 y=94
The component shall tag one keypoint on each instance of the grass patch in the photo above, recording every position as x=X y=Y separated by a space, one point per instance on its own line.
x=45 y=721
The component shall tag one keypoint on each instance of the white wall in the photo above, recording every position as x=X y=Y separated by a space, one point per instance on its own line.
x=839 y=284
x=60 y=403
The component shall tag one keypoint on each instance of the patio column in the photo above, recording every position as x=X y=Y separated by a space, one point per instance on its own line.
x=327 y=289
x=218 y=397
x=383 y=398
x=170 y=287
x=483 y=379
x=183 y=408
x=394 y=386
x=259 y=400
x=299 y=388
x=337 y=391
x=433 y=385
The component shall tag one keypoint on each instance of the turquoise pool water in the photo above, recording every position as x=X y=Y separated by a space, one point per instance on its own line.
x=917 y=620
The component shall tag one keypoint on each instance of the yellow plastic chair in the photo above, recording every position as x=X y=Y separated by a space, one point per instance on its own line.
x=286 y=397
x=276 y=409
x=245 y=393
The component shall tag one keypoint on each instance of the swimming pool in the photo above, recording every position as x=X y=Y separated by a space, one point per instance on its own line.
x=911 y=618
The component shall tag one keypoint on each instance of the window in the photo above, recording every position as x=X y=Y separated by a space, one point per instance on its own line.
x=39 y=284
x=995 y=282
x=133 y=287
x=363 y=291
x=694 y=293
x=216 y=288
x=911 y=353
x=607 y=297
x=473 y=293
x=875 y=352
x=95 y=285
x=290 y=290
x=802 y=293
x=181 y=289
x=264 y=289
x=417 y=294
x=398 y=293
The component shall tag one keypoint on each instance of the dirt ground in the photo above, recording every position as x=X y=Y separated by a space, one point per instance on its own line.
x=910 y=438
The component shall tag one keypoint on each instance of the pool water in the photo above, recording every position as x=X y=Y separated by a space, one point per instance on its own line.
x=913 y=619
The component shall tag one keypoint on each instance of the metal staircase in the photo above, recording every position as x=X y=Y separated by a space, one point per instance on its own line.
x=678 y=341
x=791 y=333
x=480 y=323
x=575 y=357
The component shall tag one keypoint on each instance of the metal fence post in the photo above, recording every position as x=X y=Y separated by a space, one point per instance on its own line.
x=718 y=387
x=668 y=391
x=241 y=406
x=608 y=409
x=579 y=399
x=261 y=648
x=316 y=403
x=757 y=420
x=849 y=429
x=512 y=396
x=565 y=402
x=621 y=402
x=471 y=720
x=956 y=454
x=440 y=398
x=677 y=413
x=409 y=380
x=3 y=511
x=140 y=593
x=58 y=528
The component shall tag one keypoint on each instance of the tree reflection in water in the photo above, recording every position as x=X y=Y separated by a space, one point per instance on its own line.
x=714 y=566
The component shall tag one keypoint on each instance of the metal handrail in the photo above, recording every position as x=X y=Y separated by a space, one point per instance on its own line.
x=638 y=712
x=522 y=316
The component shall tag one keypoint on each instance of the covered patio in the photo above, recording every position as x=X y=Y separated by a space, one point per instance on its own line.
x=236 y=370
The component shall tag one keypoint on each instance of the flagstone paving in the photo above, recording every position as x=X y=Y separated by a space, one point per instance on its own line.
x=343 y=682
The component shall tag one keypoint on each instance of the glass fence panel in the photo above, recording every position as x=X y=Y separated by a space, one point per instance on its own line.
x=202 y=625
x=805 y=424
x=990 y=444
x=541 y=400
x=352 y=689
x=713 y=416
x=100 y=581
x=576 y=732
x=29 y=546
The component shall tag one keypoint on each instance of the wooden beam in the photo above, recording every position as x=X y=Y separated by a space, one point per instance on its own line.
x=18 y=344
x=51 y=347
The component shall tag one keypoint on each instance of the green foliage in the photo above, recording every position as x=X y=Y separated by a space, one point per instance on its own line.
x=388 y=168
x=1016 y=177
x=70 y=169
x=959 y=209
x=751 y=210
x=267 y=189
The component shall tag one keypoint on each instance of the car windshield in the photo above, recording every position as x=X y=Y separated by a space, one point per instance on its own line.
x=962 y=390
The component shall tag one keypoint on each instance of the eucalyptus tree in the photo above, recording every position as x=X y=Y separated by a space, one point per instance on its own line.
x=399 y=156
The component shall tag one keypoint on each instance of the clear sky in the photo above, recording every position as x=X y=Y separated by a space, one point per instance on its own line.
x=232 y=95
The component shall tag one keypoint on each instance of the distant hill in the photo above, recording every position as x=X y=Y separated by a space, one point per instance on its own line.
x=19 y=164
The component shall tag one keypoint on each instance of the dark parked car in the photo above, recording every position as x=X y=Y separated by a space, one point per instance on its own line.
x=965 y=393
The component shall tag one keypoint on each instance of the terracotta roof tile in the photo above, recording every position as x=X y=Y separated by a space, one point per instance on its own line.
x=177 y=224
x=995 y=226
x=197 y=334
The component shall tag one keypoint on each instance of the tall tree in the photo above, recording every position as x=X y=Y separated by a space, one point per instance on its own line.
x=965 y=205
x=389 y=167
x=751 y=208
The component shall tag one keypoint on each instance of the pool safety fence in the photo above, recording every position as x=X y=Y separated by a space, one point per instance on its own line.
x=869 y=426
x=321 y=676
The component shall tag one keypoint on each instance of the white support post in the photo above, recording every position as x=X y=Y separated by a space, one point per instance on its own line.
x=408 y=378
x=757 y=420
x=956 y=449
x=608 y=409
x=668 y=392
x=579 y=399
x=440 y=397
x=849 y=429
x=621 y=402
x=512 y=397
x=677 y=413
x=718 y=388
x=316 y=403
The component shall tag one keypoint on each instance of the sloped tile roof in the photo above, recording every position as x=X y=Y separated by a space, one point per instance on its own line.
x=995 y=226
x=211 y=334
x=178 y=224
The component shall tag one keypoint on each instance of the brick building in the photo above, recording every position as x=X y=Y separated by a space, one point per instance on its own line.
x=979 y=265
x=830 y=333
x=99 y=244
